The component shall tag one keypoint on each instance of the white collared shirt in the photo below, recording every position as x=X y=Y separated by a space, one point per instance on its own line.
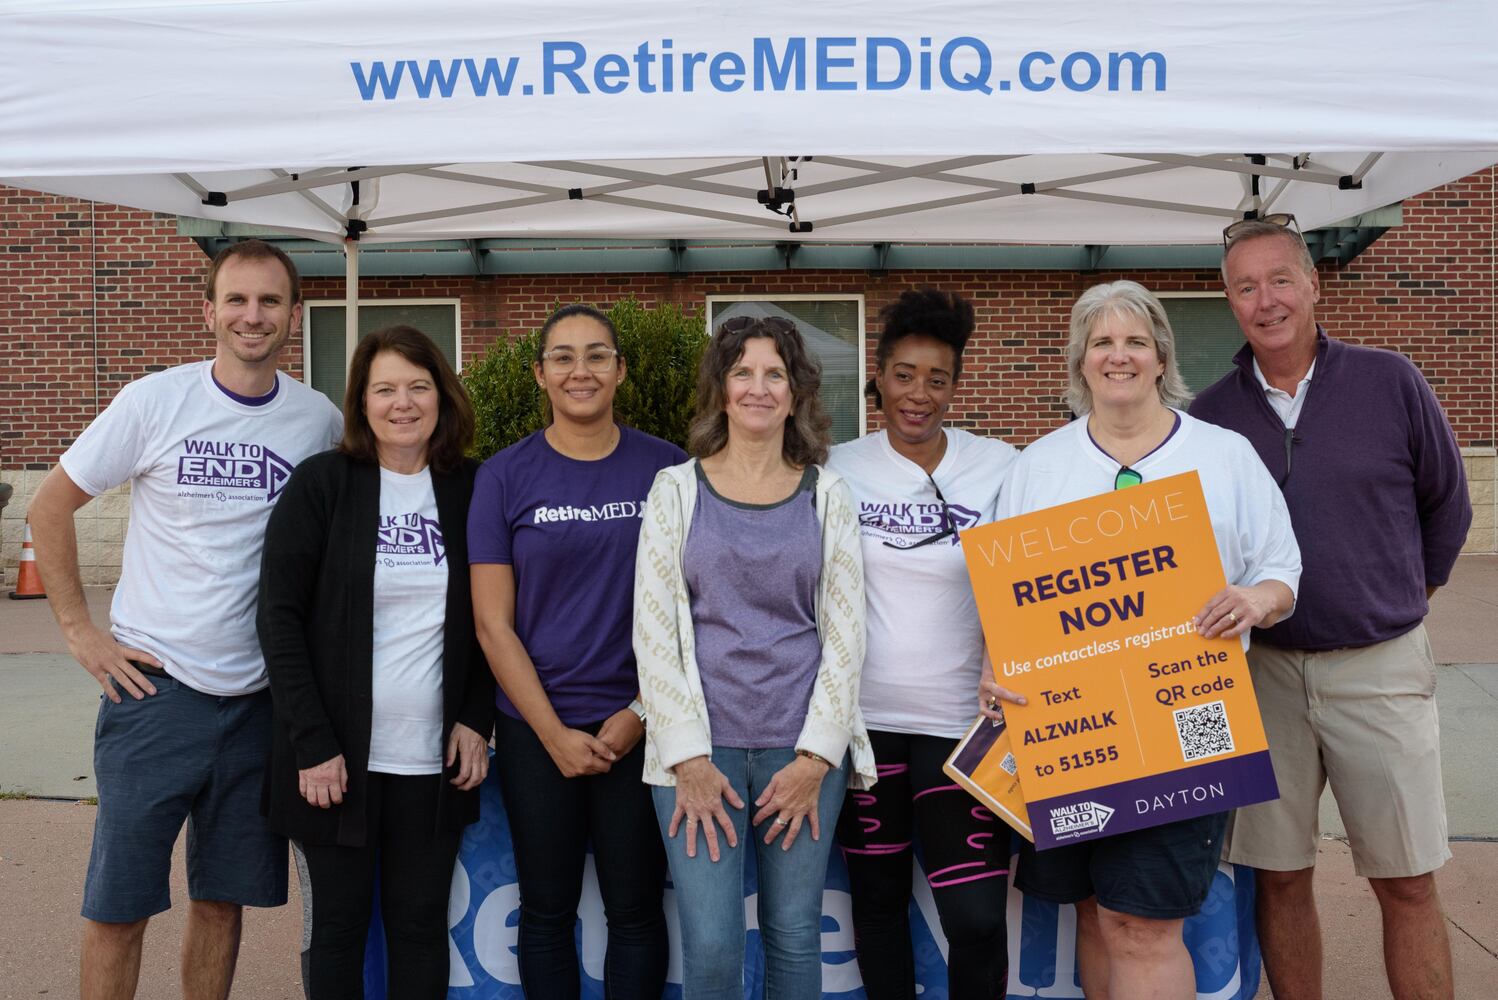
x=1286 y=405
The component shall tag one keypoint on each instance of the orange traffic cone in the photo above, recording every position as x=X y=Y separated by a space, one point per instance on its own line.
x=28 y=580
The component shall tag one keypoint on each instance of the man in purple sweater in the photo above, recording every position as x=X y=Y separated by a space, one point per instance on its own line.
x=1373 y=478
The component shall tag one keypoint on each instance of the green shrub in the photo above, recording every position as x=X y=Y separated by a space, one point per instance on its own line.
x=662 y=346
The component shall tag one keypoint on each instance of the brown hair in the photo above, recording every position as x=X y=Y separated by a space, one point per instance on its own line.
x=454 y=429
x=253 y=250
x=807 y=430
x=567 y=312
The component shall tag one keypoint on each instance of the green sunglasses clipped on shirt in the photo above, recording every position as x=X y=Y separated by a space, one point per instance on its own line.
x=1126 y=477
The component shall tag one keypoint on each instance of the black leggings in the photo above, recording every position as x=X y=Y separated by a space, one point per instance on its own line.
x=415 y=865
x=552 y=820
x=966 y=853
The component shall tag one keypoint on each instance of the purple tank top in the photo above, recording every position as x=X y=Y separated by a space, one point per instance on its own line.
x=752 y=572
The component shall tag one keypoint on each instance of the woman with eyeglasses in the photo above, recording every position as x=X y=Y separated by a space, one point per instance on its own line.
x=1134 y=890
x=551 y=540
x=918 y=484
x=749 y=632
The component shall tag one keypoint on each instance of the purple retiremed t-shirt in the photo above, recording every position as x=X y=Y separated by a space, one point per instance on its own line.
x=570 y=528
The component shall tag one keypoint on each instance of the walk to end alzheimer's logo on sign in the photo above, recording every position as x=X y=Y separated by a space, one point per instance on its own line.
x=1134 y=719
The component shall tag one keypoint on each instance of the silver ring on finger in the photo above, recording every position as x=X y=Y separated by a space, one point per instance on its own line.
x=781 y=821
x=1233 y=617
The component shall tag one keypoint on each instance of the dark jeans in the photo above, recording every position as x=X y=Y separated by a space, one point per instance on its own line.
x=966 y=853
x=552 y=819
x=415 y=865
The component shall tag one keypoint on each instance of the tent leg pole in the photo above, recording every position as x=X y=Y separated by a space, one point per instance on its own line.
x=350 y=298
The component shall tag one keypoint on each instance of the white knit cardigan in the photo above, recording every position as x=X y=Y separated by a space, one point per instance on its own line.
x=677 y=727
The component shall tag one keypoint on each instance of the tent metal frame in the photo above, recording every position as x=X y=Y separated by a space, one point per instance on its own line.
x=789 y=206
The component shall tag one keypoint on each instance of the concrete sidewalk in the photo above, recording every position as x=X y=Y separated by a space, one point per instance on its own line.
x=48 y=704
x=43 y=852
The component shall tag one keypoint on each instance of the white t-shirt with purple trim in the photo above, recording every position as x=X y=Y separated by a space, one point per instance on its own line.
x=410 y=609
x=205 y=468
x=1250 y=521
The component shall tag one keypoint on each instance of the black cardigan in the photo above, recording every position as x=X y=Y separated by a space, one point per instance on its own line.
x=316 y=622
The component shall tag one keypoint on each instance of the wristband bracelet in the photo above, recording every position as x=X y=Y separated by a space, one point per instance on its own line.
x=639 y=709
x=816 y=757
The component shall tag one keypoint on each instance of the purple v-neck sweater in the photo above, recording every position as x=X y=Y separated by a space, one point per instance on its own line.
x=1375 y=487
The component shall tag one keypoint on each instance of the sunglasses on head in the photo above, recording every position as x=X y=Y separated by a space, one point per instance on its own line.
x=1284 y=220
x=740 y=324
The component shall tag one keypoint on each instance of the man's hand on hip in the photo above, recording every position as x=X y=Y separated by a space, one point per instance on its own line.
x=105 y=658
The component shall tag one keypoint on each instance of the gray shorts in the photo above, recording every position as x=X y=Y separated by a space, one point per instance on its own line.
x=174 y=756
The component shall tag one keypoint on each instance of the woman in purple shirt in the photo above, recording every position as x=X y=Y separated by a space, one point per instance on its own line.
x=552 y=535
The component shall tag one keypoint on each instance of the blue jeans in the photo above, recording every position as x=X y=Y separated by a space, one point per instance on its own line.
x=710 y=896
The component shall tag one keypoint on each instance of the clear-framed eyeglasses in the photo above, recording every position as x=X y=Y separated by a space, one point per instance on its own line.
x=597 y=360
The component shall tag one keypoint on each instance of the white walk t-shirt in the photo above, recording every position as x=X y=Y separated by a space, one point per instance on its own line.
x=204 y=469
x=925 y=643
x=410 y=604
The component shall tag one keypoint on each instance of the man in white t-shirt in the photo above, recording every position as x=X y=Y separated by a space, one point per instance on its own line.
x=185 y=716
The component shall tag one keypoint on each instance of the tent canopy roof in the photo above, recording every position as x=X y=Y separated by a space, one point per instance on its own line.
x=862 y=121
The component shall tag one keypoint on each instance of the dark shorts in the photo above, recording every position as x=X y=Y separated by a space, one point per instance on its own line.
x=174 y=756
x=1163 y=872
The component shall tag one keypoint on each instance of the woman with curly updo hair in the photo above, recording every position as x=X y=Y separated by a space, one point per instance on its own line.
x=918 y=484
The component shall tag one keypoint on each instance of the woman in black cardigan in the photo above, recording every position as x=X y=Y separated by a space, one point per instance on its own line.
x=383 y=701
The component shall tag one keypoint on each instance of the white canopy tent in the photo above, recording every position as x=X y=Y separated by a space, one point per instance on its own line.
x=1082 y=122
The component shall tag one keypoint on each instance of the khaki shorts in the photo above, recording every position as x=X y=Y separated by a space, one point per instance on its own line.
x=1363 y=719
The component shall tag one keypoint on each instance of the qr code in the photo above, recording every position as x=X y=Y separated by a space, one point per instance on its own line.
x=1204 y=731
x=1007 y=765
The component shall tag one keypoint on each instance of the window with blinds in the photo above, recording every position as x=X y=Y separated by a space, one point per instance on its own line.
x=1207 y=337
x=832 y=327
x=325 y=354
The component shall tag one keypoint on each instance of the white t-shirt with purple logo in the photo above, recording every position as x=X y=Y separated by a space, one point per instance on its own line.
x=205 y=468
x=925 y=653
x=410 y=609
x=569 y=530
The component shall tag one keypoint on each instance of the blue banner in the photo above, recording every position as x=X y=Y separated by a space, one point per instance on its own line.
x=483 y=918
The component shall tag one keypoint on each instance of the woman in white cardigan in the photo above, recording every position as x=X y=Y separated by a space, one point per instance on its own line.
x=749 y=635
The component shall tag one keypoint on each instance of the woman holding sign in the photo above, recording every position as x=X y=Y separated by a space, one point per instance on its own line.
x=749 y=634
x=1134 y=890
x=917 y=484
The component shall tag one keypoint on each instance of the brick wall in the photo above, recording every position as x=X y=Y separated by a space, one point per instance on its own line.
x=94 y=296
